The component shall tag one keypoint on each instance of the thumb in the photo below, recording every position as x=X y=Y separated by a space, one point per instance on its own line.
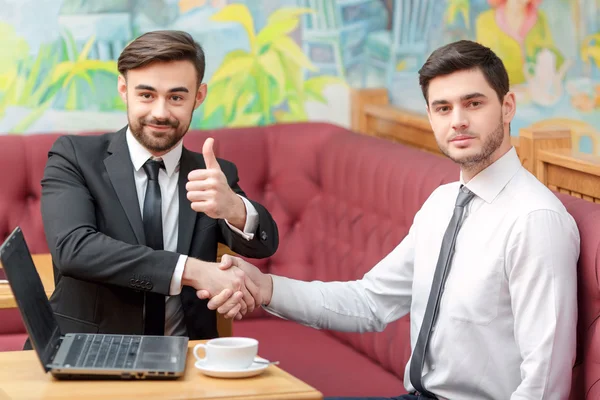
x=209 y=155
x=227 y=261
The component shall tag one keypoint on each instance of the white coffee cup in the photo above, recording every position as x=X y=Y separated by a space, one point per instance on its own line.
x=228 y=353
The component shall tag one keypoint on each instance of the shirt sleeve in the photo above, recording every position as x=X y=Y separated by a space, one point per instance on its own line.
x=251 y=221
x=541 y=263
x=369 y=304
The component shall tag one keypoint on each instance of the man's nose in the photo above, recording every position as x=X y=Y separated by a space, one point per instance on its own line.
x=460 y=121
x=160 y=111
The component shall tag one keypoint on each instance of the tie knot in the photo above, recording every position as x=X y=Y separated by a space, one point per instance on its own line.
x=151 y=167
x=464 y=196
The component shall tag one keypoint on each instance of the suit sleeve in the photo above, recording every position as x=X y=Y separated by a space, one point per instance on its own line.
x=266 y=239
x=78 y=249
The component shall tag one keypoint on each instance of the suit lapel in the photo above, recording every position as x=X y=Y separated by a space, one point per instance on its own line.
x=120 y=171
x=187 y=216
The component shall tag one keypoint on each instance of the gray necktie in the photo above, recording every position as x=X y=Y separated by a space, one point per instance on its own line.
x=437 y=287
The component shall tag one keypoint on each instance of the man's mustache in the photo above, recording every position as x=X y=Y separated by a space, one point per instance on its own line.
x=173 y=124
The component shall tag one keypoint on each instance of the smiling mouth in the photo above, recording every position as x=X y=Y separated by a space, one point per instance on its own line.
x=159 y=127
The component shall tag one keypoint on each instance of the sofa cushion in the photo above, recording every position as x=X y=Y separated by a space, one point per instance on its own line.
x=12 y=341
x=11 y=320
x=586 y=374
x=319 y=359
x=12 y=330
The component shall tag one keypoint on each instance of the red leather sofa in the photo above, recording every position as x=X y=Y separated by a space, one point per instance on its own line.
x=342 y=201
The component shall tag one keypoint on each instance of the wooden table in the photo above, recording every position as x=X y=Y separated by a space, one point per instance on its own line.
x=22 y=377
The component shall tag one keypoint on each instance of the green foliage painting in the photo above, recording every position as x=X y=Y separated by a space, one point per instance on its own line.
x=271 y=61
x=37 y=82
x=265 y=84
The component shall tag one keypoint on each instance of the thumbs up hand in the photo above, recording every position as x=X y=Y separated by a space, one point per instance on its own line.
x=209 y=192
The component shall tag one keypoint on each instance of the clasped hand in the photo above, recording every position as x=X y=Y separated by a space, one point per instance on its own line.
x=255 y=289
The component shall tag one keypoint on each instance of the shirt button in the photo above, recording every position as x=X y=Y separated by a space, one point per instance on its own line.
x=432 y=367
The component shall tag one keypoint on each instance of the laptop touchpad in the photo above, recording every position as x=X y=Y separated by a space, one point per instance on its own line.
x=160 y=353
x=157 y=361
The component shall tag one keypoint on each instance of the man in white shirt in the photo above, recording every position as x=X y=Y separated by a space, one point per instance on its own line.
x=133 y=218
x=493 y=313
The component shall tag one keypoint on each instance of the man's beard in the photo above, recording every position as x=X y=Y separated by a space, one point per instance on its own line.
x=158 y=142
x=491 y=144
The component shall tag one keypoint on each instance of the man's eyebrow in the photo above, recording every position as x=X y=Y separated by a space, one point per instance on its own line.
x=469 y=96
x=173 y=90
x=472 y=96
x=179 y=89
x=145 y=87
x=439 y=102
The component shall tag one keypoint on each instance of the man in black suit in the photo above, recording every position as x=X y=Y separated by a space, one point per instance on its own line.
x=133 y=218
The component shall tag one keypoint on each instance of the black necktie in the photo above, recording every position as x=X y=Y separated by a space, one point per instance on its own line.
x=154 y=318
x=437 y=287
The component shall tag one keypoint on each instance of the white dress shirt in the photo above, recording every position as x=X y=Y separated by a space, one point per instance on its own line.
x=168 y=182
x=507 y=320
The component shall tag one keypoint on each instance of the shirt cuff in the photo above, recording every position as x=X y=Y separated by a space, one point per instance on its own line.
x=251 y=221
x=175 y=288
x=297 y=307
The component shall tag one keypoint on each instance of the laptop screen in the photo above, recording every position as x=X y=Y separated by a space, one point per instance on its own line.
x=30 y=296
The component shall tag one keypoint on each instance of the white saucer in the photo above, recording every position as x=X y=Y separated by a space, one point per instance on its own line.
x=253 y=370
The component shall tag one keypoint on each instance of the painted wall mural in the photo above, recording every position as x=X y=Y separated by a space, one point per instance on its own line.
x=293 y=60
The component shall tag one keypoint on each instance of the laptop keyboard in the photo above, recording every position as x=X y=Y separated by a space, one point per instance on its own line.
x=103 y=351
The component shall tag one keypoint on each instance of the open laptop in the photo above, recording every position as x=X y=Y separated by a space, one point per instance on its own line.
x=83 y=355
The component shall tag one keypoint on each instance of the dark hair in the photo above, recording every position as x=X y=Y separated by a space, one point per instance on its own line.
x=460 y=56
x=162 y=46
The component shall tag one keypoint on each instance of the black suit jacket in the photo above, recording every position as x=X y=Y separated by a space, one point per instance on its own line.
x=94 y=230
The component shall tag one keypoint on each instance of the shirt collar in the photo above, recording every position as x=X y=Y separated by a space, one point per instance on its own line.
x=489 y=183
x=139 y=154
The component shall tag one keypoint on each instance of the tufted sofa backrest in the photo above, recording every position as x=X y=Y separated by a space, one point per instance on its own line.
x=22 y=161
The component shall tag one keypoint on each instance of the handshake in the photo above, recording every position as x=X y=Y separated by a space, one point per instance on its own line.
x=234 y=288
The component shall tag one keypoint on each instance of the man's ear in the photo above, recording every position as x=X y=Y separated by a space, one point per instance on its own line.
x=201 y=95
x=509 y=107
x=122 y=88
